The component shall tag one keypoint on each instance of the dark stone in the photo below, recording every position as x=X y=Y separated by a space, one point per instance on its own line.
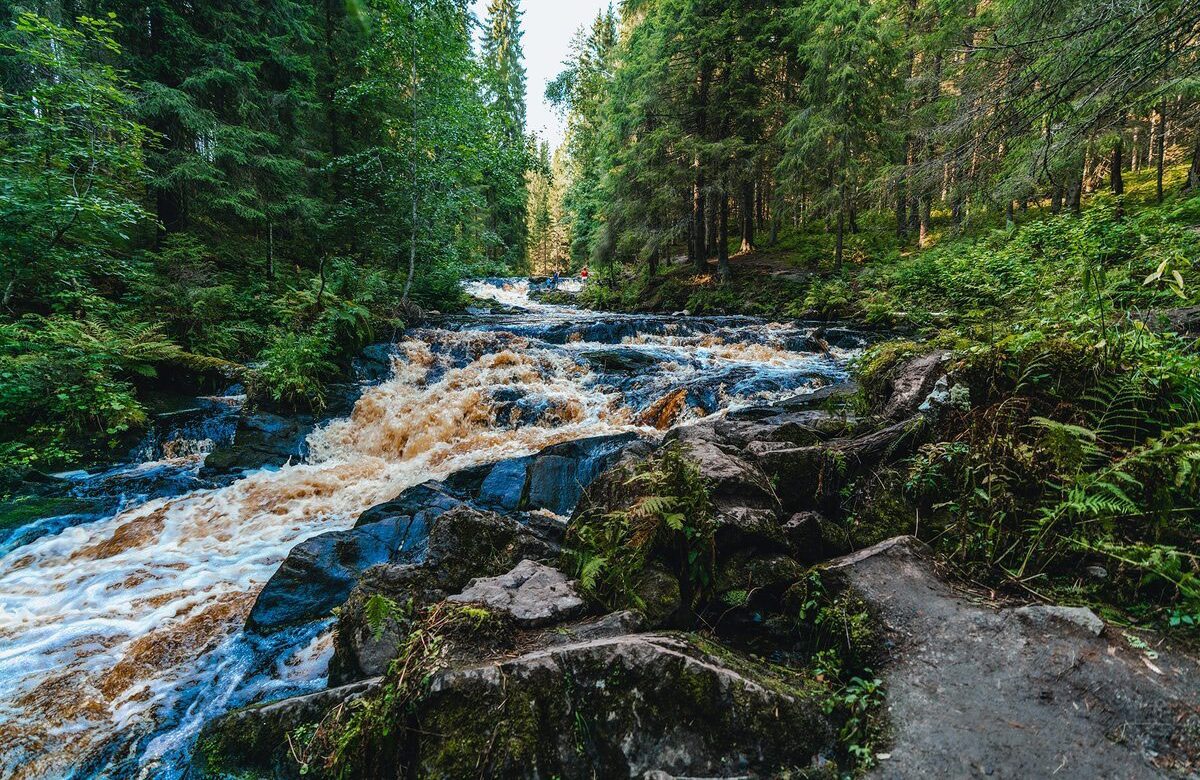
x=618 y=707
x=374 y=363
x=262 y=439
x=253 y=741
x=505 y=484
x=320 y=573
x=803 y=533
x=464 y=543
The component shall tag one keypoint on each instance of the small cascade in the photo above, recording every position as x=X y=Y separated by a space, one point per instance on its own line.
x=120 y=635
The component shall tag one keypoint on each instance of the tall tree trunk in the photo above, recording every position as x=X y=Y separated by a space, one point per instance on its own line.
x=1160 y=145
x=714 y=208
x=1193 y=178
x=747 y=215
x=699 y=246
x=699 y=242
x=1056 y=199
x=723 y=239
x=1118 y=183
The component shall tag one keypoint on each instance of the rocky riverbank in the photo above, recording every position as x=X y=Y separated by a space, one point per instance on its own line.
x=693 y=607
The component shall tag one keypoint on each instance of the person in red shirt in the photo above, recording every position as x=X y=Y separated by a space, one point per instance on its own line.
x=583 y=274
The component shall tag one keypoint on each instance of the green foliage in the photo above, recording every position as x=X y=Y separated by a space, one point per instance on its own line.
x=67 y=382
x=668 y=521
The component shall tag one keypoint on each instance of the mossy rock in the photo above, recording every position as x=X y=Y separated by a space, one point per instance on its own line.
x=621 y=707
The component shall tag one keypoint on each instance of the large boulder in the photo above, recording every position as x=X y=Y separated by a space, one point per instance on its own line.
x=256 y=741
x=262 y=439
x=630 y=705
x=618 y=707
x=319 y=573
x=463 y=543
x=973 y=690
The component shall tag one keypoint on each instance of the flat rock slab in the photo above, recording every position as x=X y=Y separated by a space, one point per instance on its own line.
x=975 y=691
x=533 y=594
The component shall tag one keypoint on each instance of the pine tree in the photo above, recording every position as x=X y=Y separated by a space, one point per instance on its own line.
x=504 y=83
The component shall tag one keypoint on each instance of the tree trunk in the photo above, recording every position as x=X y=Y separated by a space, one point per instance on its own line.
x=747 y=214
x=723 y=239
x=1056 y=199
x=710 y=249
x=699 y=241
x=1118 y=183
x=1193 y=178
x=1160 y=146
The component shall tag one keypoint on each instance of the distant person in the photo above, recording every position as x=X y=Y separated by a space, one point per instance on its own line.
x=554 y=281
x=583 y=274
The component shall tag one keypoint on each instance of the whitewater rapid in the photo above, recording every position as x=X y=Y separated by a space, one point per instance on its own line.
x=120 y=637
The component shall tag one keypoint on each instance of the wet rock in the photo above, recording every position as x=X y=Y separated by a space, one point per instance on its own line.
x=374 y=363
x=320 y=573
x=829 y=394
x=910 y=383
x=426 y=502
x=262 y=439
x=533 y=594
x=618 y=707
x=971 y=687
x=624 y=359
x=253 y=741
x=559 y=474
x=506 y=484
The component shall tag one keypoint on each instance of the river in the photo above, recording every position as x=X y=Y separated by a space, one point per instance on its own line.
x=121 y=632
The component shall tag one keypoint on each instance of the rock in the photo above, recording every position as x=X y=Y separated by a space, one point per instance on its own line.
x=829 y=394
x=1044 y=616
x=361 y=651
x=973 y=689
x=374 y=363
x=560 y=473
x=253 y=741
x=611 y=625
x=425 y=502
x=463 y=543
x=533 y=594
x=734 y=481
x=804 y=535
x=262 y=439
x=621 y=706
x=617 y=707
x=622 y=359
x=506 y=484
x=659 y=593
x=740 y=527
x=320 y=573
x=911 y=382
x=1185 y=320
x=805 y=477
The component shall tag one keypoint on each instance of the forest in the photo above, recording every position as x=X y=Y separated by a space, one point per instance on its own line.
x=824 y=402
x=192 y=188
